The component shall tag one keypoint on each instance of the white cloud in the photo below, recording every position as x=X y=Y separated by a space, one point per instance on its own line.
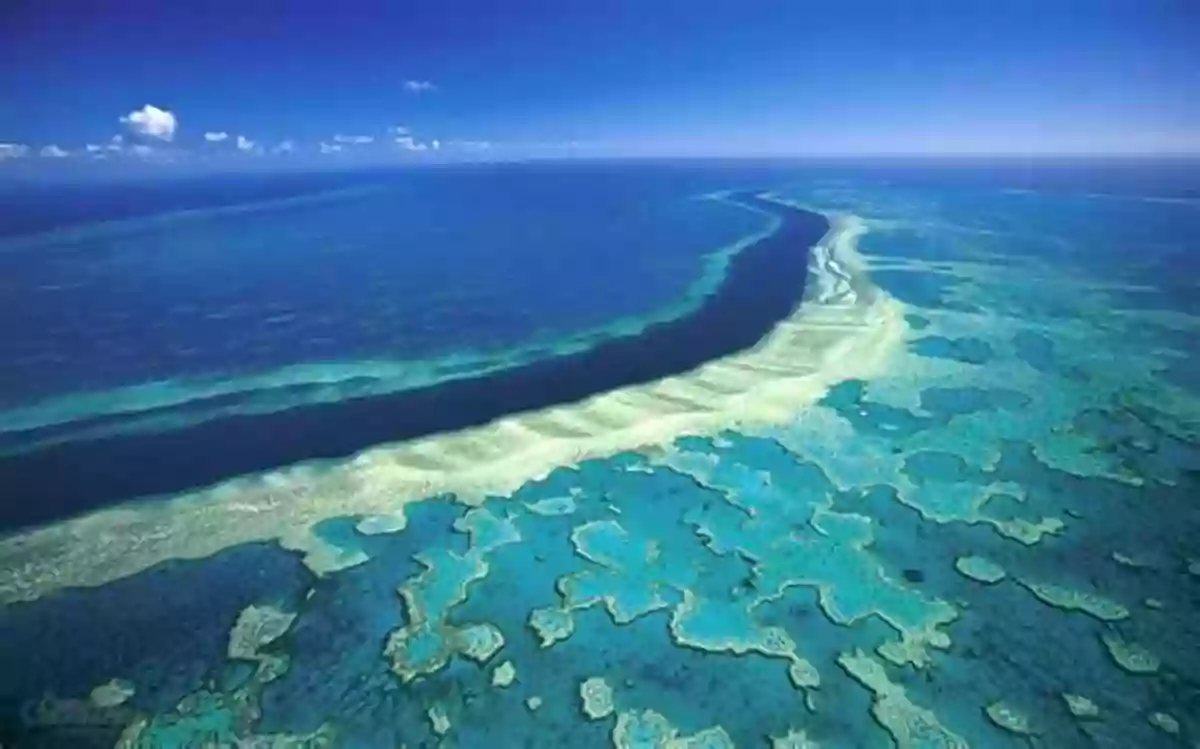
x=142 y=149
x=285 y=146
x=399 y=130
x=53 y=152
x=330 y=147
x=152 y=122
x=353 y=139
x=436 y=144
x=216 y=137
x=12 y=151
x=244 y=143
x=419 y=87
x=409 y=144
x=470 y=145
x=93 y=148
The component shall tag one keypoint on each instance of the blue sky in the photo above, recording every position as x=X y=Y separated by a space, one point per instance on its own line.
x=595 y=77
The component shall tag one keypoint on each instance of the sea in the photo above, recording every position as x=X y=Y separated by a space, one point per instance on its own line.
x=783 y=454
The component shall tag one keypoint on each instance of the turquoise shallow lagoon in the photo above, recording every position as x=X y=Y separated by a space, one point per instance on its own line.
x=987 y=539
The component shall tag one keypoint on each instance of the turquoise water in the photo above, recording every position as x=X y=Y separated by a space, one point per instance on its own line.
x=989 y=541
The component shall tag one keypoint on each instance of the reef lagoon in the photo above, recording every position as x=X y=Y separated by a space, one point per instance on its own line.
x=635 y=454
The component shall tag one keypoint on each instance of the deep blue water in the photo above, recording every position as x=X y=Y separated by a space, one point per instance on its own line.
x=1050 y=364
x=762 y=286
x=382 y=266
x=33 y=207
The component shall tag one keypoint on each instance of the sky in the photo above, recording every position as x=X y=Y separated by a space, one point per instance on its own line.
x=174 y=83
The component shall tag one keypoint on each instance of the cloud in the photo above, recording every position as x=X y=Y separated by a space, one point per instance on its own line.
x=53 y=152
x=399 y=130
x=409 y=144
x=93 y=148
x=12 y=151
x=244 y=143
x=470 y=145
x=330 y=147
x=152 y=122
x=216 y=137
x=353 y=139
x=437 y=144
x=285 y=146
x=419 y=87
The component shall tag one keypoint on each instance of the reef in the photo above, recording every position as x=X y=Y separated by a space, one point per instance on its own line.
x=112 y=693
x=1074 y=600
x=504 y=674
x=1130 y=656
x=980 y=569
x=910 y=726
x=1165 y=722
x=255 y=628
x=791 y=367
x=648 y=728
x=917 y=524
x=1008 y=718
x=1081 y=707
x=597 y=698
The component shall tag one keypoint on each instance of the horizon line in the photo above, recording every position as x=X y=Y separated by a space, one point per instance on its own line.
x=28 y=170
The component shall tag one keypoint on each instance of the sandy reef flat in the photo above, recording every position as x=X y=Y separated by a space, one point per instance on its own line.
x=840 y=330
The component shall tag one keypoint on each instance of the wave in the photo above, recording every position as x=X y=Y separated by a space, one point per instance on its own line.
x=844 y=328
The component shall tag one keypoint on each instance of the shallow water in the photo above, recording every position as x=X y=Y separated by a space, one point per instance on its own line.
x=989 y=542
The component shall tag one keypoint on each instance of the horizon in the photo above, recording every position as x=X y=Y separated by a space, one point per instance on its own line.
x=23 y=174
x=176 y=89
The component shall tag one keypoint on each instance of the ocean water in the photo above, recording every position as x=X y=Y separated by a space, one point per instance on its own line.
x=438 y=267
x=958 y=509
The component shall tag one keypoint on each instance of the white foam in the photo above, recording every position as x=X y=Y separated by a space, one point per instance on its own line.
x=845 y=328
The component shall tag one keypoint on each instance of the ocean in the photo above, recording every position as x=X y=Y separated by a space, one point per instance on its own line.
x=587 y=454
